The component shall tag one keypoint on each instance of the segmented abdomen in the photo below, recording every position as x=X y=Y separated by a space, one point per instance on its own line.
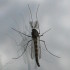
x=36 y=52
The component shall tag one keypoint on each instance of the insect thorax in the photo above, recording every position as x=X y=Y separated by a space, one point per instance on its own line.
x=35 y=33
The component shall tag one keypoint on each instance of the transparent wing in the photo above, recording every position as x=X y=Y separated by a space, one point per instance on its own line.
x=23 y=48
x=32 y=50
x=23 y=44
x=39 y=47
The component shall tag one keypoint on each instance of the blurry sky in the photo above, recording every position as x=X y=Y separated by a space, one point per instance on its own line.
x=53 y=14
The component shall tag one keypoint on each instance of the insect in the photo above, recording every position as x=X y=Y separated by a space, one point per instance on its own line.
x=35 y=35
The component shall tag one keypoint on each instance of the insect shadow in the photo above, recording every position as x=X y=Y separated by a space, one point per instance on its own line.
x=35 y=35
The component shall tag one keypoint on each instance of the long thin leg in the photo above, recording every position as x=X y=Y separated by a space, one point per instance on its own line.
x=45 y=32
x=37 y=12
x=20 y=32
x=48 y=50
x=23 y=51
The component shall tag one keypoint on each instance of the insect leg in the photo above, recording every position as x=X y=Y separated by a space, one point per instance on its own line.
x=45 y=32
x=48 y=50
x=37 y=12
x=30 y=12
x=23 y=51
x=20 y=32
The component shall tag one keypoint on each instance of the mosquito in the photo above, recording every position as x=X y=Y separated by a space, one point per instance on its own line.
x=35 y=39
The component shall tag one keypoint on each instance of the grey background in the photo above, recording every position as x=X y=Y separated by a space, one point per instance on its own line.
x=53 y=14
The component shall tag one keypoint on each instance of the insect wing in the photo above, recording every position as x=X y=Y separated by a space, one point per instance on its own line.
x=39 y=47
x=23 y=45
x=32 y=50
